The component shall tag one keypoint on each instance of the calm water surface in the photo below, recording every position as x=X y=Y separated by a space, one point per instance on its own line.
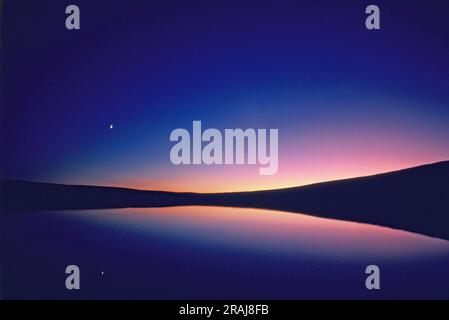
x=213 y=252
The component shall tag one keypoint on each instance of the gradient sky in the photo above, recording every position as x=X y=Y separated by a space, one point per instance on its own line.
x=347 y=101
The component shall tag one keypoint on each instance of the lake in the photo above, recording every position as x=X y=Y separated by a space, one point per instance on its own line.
x=195 y=252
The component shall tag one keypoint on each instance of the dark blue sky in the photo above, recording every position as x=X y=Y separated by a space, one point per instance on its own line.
x=347 y=101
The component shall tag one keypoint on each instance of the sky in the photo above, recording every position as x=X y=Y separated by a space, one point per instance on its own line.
x=347 y=101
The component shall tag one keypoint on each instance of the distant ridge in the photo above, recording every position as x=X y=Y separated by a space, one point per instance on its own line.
x=414 y=199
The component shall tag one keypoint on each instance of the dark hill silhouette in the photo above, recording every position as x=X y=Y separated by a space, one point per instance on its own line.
x=414 y=199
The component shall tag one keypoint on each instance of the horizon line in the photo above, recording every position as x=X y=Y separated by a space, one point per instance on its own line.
x=226 y=192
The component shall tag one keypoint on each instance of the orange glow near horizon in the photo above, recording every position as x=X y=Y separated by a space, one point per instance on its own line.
x=245 y=178
x=304 y=159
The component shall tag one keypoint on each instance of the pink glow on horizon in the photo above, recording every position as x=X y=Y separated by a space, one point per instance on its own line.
x=245 y=178
x=299 y=164
x=316 y=155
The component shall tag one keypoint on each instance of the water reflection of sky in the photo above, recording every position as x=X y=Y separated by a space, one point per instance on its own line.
x=270 y=231
x=213 y=253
